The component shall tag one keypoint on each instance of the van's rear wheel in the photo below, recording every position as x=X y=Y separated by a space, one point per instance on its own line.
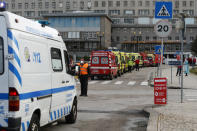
x=71 y=118
x=35 y=123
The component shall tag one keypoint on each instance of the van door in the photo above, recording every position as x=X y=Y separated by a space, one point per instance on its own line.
x=59 y=85
x=3 y=72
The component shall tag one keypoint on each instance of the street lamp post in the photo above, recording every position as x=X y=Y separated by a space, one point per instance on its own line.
x=136 y=46
x=100 y=35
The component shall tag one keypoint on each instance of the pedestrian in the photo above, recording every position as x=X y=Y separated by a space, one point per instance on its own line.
x=193 y=62
x=137 y=64
x=83 y=76
x=130 y=63
x=179 y=68
x=186 y=67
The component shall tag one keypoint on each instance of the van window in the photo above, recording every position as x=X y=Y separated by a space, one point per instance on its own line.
x=104 y=60
x=95 y=60
x=67 y=63
x=56 y=59
x=1 y=56
x=116 y=59
x=133 y=58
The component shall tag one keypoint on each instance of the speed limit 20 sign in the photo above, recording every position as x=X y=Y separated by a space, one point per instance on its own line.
x=163 y=28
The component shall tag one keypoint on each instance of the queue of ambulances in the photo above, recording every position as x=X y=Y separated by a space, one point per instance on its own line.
x=118 y=59
x=37 y=86
x=103 y=64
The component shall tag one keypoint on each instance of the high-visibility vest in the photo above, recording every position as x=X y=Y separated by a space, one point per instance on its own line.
x=84 y=69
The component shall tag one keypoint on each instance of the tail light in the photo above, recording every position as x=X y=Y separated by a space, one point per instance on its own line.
x=13 y=100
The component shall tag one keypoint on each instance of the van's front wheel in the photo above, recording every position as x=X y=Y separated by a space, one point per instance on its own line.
x=34 y=124
x=71 y=118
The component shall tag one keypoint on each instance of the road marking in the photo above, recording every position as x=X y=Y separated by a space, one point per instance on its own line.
x=144 y=83
x=131 y=83
x=192 y=99
x=119 y=82
x=92 y=82
x=106 y=82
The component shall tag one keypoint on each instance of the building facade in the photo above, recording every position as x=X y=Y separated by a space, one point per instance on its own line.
x=132 y=20
x=82 y=32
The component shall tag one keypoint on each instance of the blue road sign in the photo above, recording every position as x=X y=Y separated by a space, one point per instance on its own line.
x=158 y=49
x=174 y=62
x=163 y=10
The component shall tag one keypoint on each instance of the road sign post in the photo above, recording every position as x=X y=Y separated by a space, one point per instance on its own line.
x=160 y=91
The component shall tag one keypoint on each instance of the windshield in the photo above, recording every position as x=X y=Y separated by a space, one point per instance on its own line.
x=1 y=56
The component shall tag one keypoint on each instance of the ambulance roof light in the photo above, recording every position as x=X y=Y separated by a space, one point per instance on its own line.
x=2 y=6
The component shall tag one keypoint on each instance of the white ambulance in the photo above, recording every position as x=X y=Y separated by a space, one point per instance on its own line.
x=36 y=83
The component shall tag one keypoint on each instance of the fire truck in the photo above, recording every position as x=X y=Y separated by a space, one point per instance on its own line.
x=103 y=64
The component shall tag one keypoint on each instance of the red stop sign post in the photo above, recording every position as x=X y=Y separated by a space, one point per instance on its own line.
x=160 y=91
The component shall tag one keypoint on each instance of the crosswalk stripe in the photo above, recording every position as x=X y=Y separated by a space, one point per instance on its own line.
x=118 y=82
x=78 y=82
x=131 y=83
x=144 y=83
x=92 y=82
x=106 y=82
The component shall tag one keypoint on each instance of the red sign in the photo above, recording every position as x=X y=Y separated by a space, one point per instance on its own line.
x=160 y=90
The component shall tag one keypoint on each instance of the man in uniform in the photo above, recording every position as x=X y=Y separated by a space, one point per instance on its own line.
x=83 y=76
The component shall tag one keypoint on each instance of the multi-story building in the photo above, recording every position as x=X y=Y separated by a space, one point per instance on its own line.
x=132 y=20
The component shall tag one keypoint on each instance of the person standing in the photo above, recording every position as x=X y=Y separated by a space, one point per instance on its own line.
x=179 y=69
x=130 y=65
x=137 y=62
x=83 y=76
x=186 y=67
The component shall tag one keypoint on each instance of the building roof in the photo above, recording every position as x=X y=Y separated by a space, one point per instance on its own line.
x=78 y=14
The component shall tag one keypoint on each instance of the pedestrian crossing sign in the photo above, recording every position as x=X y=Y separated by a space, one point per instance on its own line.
x=163 y=10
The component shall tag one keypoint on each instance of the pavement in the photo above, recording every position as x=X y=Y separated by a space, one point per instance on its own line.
x=175 y=116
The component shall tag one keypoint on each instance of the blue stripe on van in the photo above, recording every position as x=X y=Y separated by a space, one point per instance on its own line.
x=11 y=51
x=15 y=72
x=28 y=124
x=10 y=35
x=45 y=92
x=23 y=126
x=51 y=116
x=4 y=96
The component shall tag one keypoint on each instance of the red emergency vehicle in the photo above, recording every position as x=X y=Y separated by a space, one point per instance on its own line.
x=145 y=60
x=103 y=64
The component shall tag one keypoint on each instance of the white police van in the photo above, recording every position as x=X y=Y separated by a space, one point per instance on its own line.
x=36 y=84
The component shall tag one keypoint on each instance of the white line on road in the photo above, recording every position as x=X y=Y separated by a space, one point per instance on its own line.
x=192 y=99
x=92 y=82
x=106 y=82
x=144 y=83
x=131 y=83
x=119 y=82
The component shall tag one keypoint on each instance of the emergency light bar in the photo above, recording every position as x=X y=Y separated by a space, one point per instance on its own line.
x=2 y=6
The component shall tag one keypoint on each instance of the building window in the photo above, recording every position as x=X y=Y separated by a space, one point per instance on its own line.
x=46 y=5
x=99 y=11
x=40 y=13
x=139 y=3
x=95 y=3
x=13 y=6
x=147 y=37
x=117 y=3
x=115 y=20
x=132 y=3
x=190 y=12
x=60 y=4
x=147 y=3
x=33 y=5
x=191 y=38
x=176 y=4
x=74 y=4
x=125 y=3
x=19 y=5
x=143 y=12
x=129 y=12
x=117 y=38
x=177 y=38
x=154 y=37
x=68 y=5
x=103 y=3
x=191 y=3
x=26 y=5
x=114 y=12
x=110 y=3
x=176 y=11
x=29 y=13
x=129 y=20
x=184 y=3
x=81 y=4
x=169 y=38
x=53 y=5
x=40 y=5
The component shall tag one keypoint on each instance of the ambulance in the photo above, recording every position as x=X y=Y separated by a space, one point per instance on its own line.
x=103 y=64
x=37 y=84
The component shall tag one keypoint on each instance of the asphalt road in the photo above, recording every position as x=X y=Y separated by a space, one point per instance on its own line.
x=112 y=105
